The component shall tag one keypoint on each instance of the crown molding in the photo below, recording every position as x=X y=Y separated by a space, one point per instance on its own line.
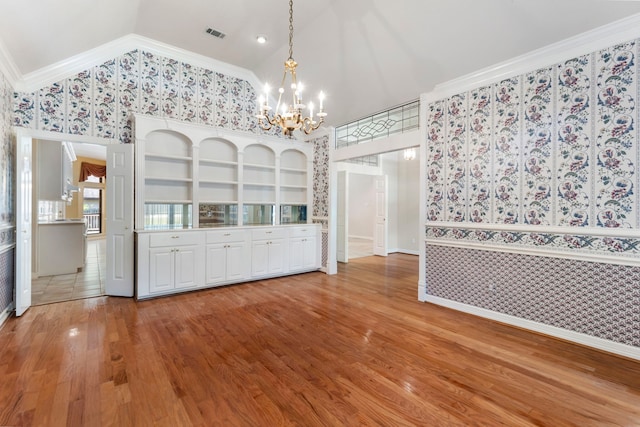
x=8 y=67
x=68 y=67
x=620 y=31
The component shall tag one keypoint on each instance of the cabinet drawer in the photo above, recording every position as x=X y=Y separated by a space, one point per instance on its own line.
x=175 y=239
x=268 y=233
x=222 y=236
x=303 y=231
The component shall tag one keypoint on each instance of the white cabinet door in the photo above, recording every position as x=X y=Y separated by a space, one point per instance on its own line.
x=161 y=269
x=296 y=254
x=302 y=253
x=216 y=263
x=260 y=258
x=236 y=261
x=276 y=256
x=309 y=253
x=186 y=266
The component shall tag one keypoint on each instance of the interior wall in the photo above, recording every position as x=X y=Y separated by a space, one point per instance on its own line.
x=540 y=164
x=7 y=198
x=361 y=205
x=409 y=236
x=390 y=169
x=98 y=101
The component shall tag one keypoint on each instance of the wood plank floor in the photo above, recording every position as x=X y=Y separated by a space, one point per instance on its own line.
x=309 y=350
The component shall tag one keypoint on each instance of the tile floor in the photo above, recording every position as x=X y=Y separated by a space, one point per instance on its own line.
x=85 y=284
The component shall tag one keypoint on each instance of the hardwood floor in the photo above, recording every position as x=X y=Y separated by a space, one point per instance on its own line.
x=309 y=350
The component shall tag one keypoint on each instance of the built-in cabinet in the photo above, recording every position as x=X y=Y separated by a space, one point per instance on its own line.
x=217 y=207
x=178 y=261
x=175 y=261
x=268 y=251
x=227 y=256
x=303 y=248
x=197 y=177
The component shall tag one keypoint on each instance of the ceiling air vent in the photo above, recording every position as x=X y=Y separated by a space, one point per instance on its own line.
x=216 y=33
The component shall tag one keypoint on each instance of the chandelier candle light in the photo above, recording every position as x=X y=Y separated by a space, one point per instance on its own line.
x=289 y=117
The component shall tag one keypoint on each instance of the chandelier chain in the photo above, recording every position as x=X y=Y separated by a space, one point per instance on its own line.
x=290 y=29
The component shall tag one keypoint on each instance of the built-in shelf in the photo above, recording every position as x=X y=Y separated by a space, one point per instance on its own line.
x=218 y=202
x=167 y=179
x=238 y=170
x=258 y=184
x=167 y=201
x=210 y=181
x=156 y=156
x=266 y=167
x=217 y=162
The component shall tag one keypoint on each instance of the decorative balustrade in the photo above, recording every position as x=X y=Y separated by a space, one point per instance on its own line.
x=93 y=223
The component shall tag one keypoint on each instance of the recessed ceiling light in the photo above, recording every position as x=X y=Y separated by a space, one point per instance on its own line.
x=261 y=39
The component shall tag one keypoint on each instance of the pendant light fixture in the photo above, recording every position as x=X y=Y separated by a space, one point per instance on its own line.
x=290 y=116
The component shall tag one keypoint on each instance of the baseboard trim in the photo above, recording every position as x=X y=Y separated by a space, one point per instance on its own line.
x=576 y=337
x=5 y=315
x=361 y=237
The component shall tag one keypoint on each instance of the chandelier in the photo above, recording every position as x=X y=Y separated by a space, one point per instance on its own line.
x=289 y=116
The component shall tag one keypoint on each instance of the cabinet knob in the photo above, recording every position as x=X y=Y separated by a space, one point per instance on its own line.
x=175 y=237
x=269 y=232
x=227 y=234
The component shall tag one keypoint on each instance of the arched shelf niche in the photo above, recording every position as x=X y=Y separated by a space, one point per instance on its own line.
x=168 y=167
x=218 y=192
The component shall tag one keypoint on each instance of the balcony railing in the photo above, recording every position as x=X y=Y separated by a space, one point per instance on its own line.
x=399 y=119
x=93 y=223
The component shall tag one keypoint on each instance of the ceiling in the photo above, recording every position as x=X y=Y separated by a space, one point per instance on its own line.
x=367 y=55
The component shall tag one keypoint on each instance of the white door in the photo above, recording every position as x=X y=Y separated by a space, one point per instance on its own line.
x=24 y=175
x=380 y=228
x=342 y=229
x=119 y=215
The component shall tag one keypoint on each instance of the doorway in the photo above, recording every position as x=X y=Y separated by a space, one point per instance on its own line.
x=358 y=204
x=75 y=222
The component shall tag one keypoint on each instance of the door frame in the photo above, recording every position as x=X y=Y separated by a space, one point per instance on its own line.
x=24 y=205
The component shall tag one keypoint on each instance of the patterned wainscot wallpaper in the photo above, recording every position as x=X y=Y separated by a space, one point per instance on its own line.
x=543 y=161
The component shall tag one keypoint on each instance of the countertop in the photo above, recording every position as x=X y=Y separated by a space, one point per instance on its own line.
x=62 y=221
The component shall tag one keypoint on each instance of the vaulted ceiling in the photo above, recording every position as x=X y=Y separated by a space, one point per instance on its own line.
x=366 y=55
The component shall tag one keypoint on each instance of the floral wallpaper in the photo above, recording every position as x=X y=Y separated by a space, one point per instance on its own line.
x=7 y=195
x=321 y=177
x=98 y=101
x=542 y=161
x=555 y=147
